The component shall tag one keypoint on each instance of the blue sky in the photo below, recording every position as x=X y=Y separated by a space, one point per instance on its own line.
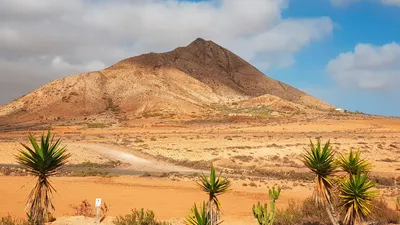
x=345 y=52
x=363 y=22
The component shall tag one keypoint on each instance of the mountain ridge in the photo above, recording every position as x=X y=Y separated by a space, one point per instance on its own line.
x=185 y=80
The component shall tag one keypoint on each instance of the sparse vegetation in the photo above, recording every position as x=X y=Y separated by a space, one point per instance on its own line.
x=381 y=214
x=9 y=220
x=384 y=181
x=196 y=164
x=283 y=175
x=307 y=212
x=90 y=173
x=138 y=140
x=96 y=125
x=343 y=190
x=146 y=174
x=112 y=107
x=108 y=164
x=388 y=160
x=151 y=115
x=83 y=209
x=139 y=217
x=302 y=213
x=243 y=158
x=87 y=210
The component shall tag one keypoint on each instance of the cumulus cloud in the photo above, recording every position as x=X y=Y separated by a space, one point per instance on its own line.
x=47 y=39
x=347 y=2
x=368 y=67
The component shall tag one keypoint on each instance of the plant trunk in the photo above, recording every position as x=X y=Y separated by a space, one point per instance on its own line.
x=210 y=211
x=216 y=215
x=329 y=210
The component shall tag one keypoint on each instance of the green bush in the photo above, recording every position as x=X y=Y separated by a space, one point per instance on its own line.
x=139 y=217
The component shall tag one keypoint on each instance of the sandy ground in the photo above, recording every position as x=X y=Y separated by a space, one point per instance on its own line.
x=274 y=146
x=120 y=154
x=170 y=200
x=227 y=146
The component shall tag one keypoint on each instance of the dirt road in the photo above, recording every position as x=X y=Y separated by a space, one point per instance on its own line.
x=135 y=163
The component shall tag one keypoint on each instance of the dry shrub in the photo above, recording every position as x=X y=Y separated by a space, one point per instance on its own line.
x=313 y=213
x=307 y=213
x=290 y=216
x=384 y=181
x=382 y=214
x=84 y=209
x=243 y=158
x=284 y=175
x=139 y=217
x=87 y=210
x=8 y=220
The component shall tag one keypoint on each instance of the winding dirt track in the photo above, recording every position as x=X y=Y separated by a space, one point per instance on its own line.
x=136 y=163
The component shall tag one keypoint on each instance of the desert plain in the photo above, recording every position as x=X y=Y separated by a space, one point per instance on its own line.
x=149 y=163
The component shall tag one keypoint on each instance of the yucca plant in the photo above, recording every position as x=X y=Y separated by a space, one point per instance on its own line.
x=197 y=217
x=356 y=196
x=321 y=161
x=353 y=163
x=213 y=186
x=42 y=161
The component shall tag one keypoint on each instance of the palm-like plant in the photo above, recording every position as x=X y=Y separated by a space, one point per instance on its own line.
x=353 y=163
x=356 y=195
x=321 y=161
x=197 y=217
x=398 y=204
x=43 y=162
x=214 y=186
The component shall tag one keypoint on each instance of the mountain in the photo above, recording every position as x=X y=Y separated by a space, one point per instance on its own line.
x=188 y=80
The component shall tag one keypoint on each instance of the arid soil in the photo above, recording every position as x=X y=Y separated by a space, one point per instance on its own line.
x=255 y=156
x=169 y=199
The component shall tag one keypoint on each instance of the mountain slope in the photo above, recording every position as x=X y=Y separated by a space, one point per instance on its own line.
x=184 y=81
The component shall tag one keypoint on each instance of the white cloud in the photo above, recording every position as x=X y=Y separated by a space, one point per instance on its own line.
x=52 y=38
x=347 y=2
x=60 y=64
x=391 y=2
x=368 y=67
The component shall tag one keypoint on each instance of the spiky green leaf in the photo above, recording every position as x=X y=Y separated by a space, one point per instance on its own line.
x=42 y=160
x=356 y=194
